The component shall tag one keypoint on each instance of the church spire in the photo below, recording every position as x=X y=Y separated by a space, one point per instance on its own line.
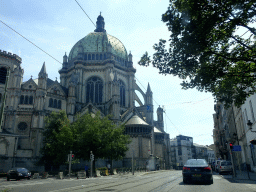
x=149 y=89
x=100 y=24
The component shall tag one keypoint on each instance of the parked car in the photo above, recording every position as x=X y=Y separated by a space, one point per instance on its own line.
x=217 y=162
x=197 y=170
x=225 y=167
x=18 y=173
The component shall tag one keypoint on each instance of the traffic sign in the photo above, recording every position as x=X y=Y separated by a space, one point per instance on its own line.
x=92 y=157
x=236 y=148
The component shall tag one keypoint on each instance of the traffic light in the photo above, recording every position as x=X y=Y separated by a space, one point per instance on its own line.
x=72 y=157
x=231 y=145
x=253 y=142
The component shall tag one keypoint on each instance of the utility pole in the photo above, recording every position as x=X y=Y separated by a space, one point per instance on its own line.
x=232 y=161
x=132 y=162
x=92 y=158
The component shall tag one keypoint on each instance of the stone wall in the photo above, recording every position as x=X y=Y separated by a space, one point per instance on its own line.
x=158 y=150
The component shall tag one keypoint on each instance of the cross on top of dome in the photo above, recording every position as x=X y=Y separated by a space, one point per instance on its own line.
x=100 y=24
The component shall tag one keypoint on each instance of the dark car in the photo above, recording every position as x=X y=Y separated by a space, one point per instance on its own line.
x=18 y=173
x=197 y=170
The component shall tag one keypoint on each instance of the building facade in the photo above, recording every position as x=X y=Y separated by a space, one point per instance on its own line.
x=97 y=76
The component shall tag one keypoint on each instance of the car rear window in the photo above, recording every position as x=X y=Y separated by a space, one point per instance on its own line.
x=226 y=163
x=22 y=170
x=196 y=162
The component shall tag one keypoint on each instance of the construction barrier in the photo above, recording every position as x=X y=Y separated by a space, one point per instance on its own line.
x=81 y=175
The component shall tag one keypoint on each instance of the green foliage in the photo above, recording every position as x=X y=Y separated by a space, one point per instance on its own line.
x=58 y=139
x=205 y=49
x=99 y=135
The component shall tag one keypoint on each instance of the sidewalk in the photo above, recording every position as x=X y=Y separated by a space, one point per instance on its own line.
x=243 y=175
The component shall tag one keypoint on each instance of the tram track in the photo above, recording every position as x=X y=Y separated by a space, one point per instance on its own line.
x=111 y=186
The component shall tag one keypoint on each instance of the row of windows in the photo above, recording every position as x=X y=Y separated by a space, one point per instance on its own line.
x=101 y=57
x=94 y=91
x=26 y=99
x=54 y=103
x=137 y=130
x=95 y=57
x=3 y=73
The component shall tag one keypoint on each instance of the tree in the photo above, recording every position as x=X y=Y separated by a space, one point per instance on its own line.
x=58 y=140
x=206 y=50
x=99 y=135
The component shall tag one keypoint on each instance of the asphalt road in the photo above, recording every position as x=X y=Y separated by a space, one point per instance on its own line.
x=142 y=181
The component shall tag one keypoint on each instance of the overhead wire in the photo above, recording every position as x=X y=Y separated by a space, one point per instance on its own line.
x=85 y=13
x=29 y=41
x=159 y=105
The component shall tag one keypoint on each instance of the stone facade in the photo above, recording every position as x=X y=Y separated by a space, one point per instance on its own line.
x=98 y=75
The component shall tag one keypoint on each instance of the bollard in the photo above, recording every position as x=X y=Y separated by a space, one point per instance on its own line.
x=81 y=175
x=60 y=175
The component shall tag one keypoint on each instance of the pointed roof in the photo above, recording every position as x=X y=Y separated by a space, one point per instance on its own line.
x=43 y=69
x=136 y=120
x=148 y=89
x=156 y=130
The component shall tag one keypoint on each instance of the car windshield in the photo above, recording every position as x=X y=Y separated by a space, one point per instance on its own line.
x=226 y=163
x=196 y=162
x=22 y=170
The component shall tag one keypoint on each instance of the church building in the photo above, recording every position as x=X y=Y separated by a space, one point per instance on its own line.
x=97 y=75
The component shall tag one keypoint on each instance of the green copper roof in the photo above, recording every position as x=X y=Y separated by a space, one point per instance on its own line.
x=97 y=42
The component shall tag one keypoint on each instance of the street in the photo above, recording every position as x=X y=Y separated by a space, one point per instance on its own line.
x=142 y=181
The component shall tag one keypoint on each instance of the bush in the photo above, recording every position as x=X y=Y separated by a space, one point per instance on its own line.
x=102 y=168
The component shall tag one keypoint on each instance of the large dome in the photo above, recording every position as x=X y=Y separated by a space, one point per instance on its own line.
x=97 y=42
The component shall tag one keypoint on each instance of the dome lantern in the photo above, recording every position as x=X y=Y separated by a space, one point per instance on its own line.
x=100 y=24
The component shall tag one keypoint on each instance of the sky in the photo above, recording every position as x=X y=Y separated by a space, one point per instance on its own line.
x=55 y=27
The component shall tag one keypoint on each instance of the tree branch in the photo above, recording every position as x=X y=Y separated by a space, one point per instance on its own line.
x=241 y=43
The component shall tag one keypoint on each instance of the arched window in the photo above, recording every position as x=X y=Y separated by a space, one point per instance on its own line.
x=3 y=73
x=55 y=103
x=94 y=88
x=122 y=94
x=89 y=57
x=100 y=56
x=93 y=57
x=97 y=57
x=26 y=100
x=85 y=57
x=21 y=99
x=31 y=100
x=50 y=102
x=59 y=104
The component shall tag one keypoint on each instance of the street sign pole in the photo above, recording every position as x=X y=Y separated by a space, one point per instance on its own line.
x=92 y=158
x=231 y=154
x=70 y=159
x=132 y=163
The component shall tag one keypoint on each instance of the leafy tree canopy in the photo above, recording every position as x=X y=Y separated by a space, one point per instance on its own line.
x=99 y=135
x=58 y=139
x=206 y=49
